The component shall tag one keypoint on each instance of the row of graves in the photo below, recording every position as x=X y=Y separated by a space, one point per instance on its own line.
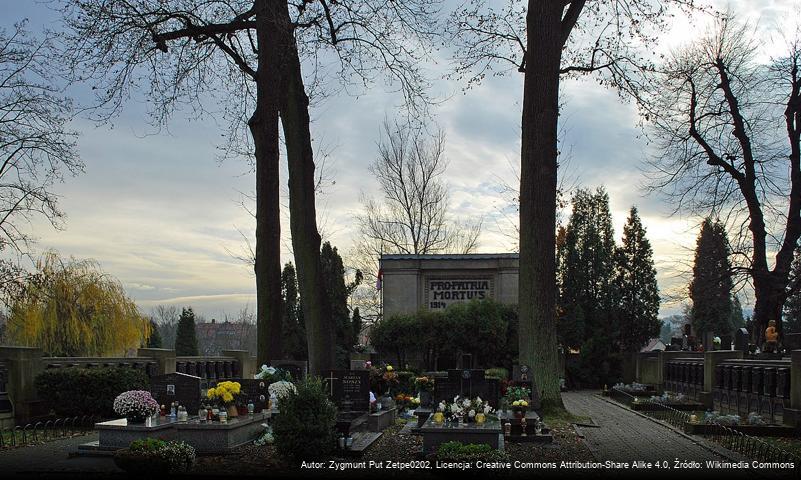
x=362 y=417
x=182 y=392
x=750 y=396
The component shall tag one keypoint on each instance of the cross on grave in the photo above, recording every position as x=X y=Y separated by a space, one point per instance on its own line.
x=330 y=381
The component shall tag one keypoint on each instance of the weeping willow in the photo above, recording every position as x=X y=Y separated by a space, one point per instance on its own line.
x=71 y=308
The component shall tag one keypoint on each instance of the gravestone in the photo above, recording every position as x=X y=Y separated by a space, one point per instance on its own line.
x=255 y=390
x=349 y=389
x=466 y=383
x=177 y=387
x=297 y=368
x=523 y=376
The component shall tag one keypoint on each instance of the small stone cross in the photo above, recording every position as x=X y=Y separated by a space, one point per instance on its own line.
x=330 y=380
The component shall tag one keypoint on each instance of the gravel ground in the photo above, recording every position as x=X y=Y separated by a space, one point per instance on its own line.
x=391 y=447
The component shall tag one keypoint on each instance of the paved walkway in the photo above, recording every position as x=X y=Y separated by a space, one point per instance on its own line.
x=626 y=436
x=55 y=456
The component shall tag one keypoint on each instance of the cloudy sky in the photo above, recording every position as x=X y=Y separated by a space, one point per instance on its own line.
x=163 y=215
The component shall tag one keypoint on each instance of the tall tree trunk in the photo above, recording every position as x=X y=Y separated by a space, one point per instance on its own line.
x=294 y=110
x=264 y=128
x=537 y=283
x=770 y=294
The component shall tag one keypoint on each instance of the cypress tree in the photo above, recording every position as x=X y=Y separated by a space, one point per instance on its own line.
x=635 y=286
x=185 y=336
x=711 y=285
x=154 y=341
x=338 y=292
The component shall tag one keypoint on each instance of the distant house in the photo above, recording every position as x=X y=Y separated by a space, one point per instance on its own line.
x=214 y=337
x=654 y=345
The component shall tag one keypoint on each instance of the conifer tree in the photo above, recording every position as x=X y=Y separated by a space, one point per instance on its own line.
x=356 y=324
x=586 y=271
x=294 y=330
x=154 y=341
x=338 y=292
x=635 y=286
x=792 y=307
x=185 y=335
x=711 y=286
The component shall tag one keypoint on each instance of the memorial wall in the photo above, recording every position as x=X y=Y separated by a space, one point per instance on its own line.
x=433 y=282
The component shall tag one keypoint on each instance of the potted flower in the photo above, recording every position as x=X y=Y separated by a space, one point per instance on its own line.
x=424 y=385
x=150 y=456
x=135 y=405
x=518 y=398
x=226 y=393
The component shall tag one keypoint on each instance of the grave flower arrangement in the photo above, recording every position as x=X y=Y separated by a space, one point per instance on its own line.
x=154 y=456
x=135 y=405
x=384 y=379
x=281 y=389
x=404 y=401
x=669 y=397
x=424 y=384
x=226 y=394
x=465 y=408
x=714 y=417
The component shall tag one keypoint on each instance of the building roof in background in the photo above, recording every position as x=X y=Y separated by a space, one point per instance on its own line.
x=654 y=344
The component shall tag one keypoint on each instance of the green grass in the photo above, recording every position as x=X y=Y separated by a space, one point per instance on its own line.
x=559 y=416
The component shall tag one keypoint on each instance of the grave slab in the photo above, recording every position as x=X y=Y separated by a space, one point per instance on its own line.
x=435 y=435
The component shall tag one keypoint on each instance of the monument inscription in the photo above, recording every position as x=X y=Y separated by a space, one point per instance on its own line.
x=441 y=292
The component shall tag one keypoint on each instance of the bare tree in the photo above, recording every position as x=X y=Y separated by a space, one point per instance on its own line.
x=717 y=117
x=36 y=148
x=544 y=40
x=411 y=216
x=248 y=55
x=166 y=318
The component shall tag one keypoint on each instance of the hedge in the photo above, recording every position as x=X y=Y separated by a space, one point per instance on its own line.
x=87 y=391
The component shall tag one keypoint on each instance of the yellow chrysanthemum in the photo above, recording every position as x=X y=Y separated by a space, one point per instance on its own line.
x=227 y=397
x=211 y=393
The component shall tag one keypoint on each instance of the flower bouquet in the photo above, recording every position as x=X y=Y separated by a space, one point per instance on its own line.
x=135 y=405
x=226 y=393
x=475 y=410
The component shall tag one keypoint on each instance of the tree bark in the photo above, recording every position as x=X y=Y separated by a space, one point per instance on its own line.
x=294 y=112
x=263 y=126
x=538 y=170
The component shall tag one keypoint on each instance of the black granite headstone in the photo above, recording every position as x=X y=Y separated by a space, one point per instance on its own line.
x=349 y=389
x=741 y=338
x=256 y=391
x=180 y=387
x=469 y=383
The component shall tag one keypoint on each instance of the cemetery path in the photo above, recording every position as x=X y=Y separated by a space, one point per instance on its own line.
x=624 y=436
x=54 y=457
